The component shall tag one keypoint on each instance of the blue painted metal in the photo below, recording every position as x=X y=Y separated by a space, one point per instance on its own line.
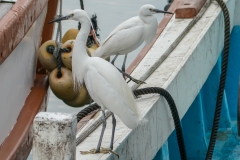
x=197 y=122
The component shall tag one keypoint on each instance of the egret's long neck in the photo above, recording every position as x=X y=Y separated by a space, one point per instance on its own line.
x=150 y=27
x=79 y=55
x=81 y=39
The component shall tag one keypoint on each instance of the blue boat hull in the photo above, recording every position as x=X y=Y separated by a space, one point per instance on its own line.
x=197 y=122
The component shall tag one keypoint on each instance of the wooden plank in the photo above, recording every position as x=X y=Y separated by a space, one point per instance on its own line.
x=189 y=8
x=16 y=23
x=4 y=8
x=19 y=141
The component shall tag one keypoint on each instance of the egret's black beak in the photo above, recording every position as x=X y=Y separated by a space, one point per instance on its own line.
x=160 y=11
x=59 y=19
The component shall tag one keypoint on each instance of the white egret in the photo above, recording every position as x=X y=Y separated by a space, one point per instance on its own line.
x=130 y=34
x=103 y=81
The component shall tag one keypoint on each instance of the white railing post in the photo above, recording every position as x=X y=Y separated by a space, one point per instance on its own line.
x=54 y=136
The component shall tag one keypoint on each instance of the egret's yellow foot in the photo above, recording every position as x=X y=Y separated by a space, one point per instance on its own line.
x=102 y=150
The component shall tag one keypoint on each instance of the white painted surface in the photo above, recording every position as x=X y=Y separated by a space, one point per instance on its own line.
x=183 y=73
x=54 y=136
x=17 y=76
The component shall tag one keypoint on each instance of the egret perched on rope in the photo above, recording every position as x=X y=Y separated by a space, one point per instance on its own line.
x=130 y=34
x=103 y=81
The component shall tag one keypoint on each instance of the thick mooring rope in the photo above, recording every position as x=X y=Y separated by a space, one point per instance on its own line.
x=144 y=91
x=51 y=49
x=222 y=79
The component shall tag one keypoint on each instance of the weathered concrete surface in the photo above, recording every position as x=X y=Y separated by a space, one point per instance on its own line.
x=54 y=136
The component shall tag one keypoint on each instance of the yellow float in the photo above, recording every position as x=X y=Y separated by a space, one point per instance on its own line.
x=67 y=56
x=70 y=35
x=82 y=99
x=92 y=49
x=62 y=87
x=94 y=46
x=46 y=58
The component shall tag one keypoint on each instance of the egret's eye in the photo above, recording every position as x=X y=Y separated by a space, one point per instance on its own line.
x=151 y=9
x=72 y=15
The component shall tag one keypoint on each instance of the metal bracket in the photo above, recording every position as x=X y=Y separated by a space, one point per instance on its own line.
x=9 y=1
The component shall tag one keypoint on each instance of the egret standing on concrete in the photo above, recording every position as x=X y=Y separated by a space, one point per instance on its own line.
x=130 y=34
x=103 y=81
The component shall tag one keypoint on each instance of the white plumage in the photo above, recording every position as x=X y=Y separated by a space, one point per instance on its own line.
x=130 y=34
x=103 y=81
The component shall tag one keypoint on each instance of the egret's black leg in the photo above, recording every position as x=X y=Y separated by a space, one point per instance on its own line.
x=114 y=58
x=113 y=130
x=103 y=129
x=124 y=63
x=130 y=77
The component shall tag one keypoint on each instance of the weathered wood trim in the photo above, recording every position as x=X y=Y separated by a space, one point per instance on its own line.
x=161 y=27
x=48 y=28
x=15 y=24
x=189 y=8
x=19 y=142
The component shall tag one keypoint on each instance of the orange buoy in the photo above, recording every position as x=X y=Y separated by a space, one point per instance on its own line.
x=62 y=87
x=82 y=99
x=46 y=58
x=70 y=35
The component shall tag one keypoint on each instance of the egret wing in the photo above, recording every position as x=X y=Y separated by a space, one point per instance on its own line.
x=132 y=22
x=123 y=42
x=109 y=97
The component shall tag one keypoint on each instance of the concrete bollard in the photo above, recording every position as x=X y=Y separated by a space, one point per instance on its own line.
x=54 y=136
